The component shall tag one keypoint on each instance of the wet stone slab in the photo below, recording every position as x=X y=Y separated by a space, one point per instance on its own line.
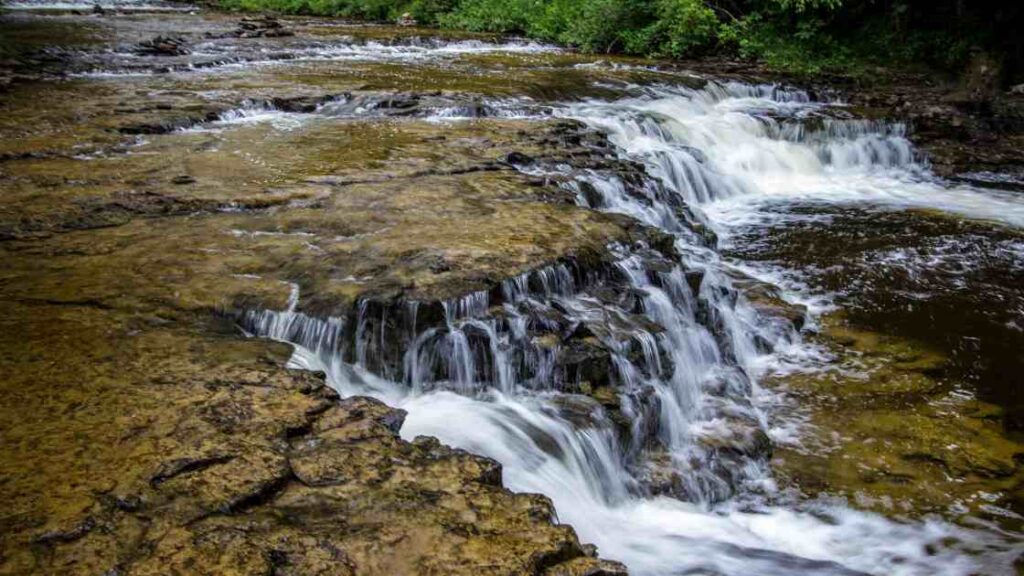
x=918 y=410
x=170 y=181
x=144 y=435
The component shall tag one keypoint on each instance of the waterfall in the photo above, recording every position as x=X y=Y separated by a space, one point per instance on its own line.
x=684 y=348
x=731 y=149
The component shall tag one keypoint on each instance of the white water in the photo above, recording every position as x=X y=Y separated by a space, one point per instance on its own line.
x=426 y=50
x=727 y=150
x=217 y=56
x=439 y=110
x=662 y=535
x=758 y=147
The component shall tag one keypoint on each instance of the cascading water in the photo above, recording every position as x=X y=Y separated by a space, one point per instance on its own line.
x=731 y=149
x=686 y=352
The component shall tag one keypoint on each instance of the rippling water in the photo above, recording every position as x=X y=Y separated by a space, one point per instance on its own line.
x=751 y=163
x=730 y=151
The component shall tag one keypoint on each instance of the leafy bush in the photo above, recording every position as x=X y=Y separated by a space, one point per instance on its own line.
x=684 y=27
x=592 y=25
x=510 y=16
x=429 y=12
x=807 y=36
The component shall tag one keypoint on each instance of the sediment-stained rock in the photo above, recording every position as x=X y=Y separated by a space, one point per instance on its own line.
x=906 y=443
x=139 y=447
x=142 y=433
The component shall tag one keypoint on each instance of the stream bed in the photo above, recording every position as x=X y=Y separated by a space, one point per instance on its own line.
x=804 y=357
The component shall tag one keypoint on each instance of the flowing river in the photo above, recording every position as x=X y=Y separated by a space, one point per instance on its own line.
x=737 y=173
x=728 y=150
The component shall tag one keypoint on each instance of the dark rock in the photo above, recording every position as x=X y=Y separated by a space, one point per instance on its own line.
x=582 y=411
x=163 y=46
x=70 y=535
x=178 y=466
x=264 y=27
x=516 y=158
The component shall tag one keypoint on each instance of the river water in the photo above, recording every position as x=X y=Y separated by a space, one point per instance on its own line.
x=737 y=153
x=749 y=162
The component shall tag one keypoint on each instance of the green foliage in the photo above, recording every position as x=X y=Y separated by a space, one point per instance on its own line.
x=804 y=47
x=429 y=12
x=799 y=6
x=664 y=27
x=684 y=27
x=800 y=36
x=592 y=25
x=509 y=16
x=364 y=9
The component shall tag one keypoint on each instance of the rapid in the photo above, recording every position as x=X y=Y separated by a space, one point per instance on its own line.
x=635 y=388
x=726 y=152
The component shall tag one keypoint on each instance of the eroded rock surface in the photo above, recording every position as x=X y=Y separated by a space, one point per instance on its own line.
x=142 y=434
x=905 y=442
x=158 y=205
x=140 y=446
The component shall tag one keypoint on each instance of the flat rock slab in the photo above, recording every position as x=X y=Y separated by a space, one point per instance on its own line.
x=141 y=432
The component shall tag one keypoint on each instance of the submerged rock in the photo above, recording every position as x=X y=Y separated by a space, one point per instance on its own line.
x=904 y=442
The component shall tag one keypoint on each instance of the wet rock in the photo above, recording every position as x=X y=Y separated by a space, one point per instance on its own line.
x=586 y=360
x=263 y=27
x=906 y=444
x=518 y=159
x=171 y=468
x=225 y=490
x=979 y=83
x=736 y=436
x=587 y=567
x=163 y=46
x=660 y=476
x=225 y=459
x=583 y=411
x=769 y=303
x=76 y=532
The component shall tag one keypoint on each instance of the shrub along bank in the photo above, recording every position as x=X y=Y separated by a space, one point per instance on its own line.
x=801 y=36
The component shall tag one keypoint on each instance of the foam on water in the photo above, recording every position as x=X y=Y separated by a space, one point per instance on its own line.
x=757 y=147
x=218 y=56
x=252 y=112
x=723 y=151
x=380 y=52
x=541 y=453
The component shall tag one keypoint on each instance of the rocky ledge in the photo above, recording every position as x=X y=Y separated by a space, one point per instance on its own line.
x=142 y=434
x=150 y=448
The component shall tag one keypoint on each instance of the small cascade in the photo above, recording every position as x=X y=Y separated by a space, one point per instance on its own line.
x=729 y=149
x=627 y=391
